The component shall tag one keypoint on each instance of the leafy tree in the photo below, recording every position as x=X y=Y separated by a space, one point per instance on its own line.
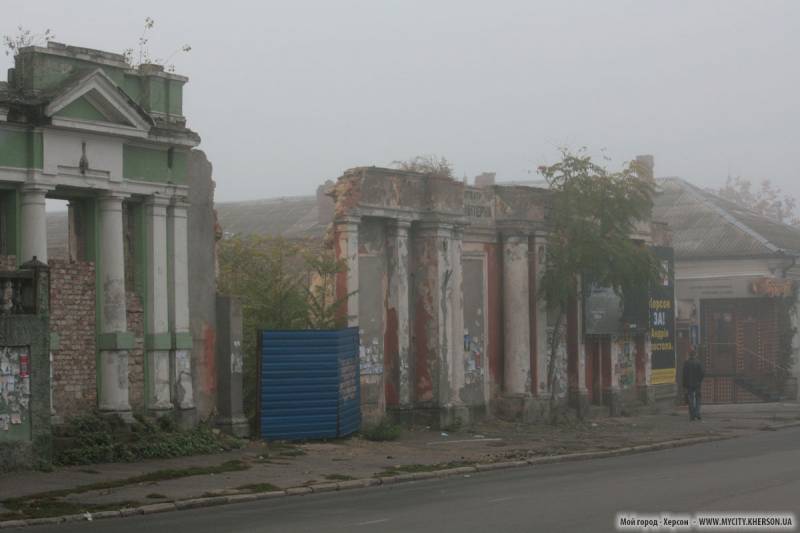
x=432 y=165
x=593 y=216
x=767 y=200
x=282 y=284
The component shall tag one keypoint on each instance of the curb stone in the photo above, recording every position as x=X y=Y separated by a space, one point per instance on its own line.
x=358 y=483
x=775 y=427
x=455 y=471
x=157 y=508
x=298 y=491
x=200 y=502
x=195 y=503
x=500 y=466
x=324 y=487
x=242 y=498
x=270 y=494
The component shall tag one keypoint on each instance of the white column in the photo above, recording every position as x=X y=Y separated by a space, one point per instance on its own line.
x=456 y=363
x=114 y=346
x=181 y=363
x=157 y=340
x=33 y=222
x=347 y=250
x=542 y=351
x=399 y=301
x=516 y=315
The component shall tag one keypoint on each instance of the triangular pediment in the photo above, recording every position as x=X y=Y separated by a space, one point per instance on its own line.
x=96 y=104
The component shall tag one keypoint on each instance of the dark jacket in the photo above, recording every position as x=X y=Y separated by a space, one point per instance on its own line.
x=693 y=374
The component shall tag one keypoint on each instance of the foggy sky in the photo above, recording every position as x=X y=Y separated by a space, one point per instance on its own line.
x=288 y=94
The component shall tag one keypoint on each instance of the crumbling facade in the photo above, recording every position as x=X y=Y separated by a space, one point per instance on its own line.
x=442 y=281
x=82 y=125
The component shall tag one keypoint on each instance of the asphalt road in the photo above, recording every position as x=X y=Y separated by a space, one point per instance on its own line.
x=759 y=472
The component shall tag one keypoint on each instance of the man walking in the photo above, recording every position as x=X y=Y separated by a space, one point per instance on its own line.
x=692 y=379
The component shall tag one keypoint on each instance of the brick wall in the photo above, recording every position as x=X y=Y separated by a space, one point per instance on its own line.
x=8 y=262
x=72 y=317
x=136 y=355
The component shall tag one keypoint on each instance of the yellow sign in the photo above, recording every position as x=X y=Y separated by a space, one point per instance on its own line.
x=662 y=376
x=772 y=287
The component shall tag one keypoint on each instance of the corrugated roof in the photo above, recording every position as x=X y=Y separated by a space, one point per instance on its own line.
x=705 y=225
x=290 y=217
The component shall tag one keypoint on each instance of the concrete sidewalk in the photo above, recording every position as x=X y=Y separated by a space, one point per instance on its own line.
x=261 y=466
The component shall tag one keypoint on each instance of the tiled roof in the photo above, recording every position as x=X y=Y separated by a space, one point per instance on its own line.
x=707 y=226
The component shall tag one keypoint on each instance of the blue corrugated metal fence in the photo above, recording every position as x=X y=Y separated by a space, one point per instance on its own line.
x=309 y=384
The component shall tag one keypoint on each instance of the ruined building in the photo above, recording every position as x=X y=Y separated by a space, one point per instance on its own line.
x=132 y=316
x=442 y=282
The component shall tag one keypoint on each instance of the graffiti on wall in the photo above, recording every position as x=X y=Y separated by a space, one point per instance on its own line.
x=625 y=370
x=370 y=358
x=473 y=359
x=15 y=390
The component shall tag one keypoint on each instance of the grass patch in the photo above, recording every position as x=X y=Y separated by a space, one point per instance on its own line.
x=339 y=477
x=413 y=468
x=259 y=487
x=382 y=431
x=96 y=438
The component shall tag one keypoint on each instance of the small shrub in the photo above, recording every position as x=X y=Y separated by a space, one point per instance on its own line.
x=382 y=431
x=99 y=439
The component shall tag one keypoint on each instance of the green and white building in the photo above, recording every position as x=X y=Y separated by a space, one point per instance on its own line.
x=85 y=126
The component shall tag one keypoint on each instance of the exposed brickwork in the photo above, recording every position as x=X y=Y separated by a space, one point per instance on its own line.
x=8 y=262
x=136 y=356
x=72 y=317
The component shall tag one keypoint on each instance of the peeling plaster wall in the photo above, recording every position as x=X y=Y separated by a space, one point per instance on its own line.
x=494 y=348
x=397 y=331
x=202 y=233
x=475 y=332
x=425 y=340
x=372 y=272
x=449 y=290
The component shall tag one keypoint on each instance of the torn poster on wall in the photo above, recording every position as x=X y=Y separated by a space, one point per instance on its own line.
x=15 y=392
